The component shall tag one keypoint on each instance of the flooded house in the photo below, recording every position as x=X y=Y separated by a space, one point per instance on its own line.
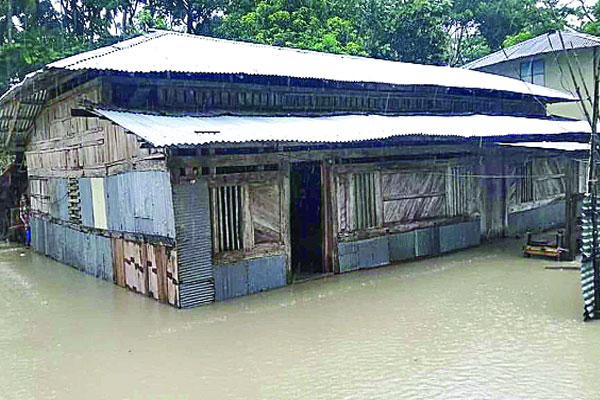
x=192 y=169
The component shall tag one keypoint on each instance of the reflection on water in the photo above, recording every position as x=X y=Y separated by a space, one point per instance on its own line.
x=479 y=324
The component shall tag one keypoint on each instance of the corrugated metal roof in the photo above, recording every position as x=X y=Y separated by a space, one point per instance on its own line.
x=564 y=146
x=542 y=44
x=163 y=51
x=162 y=131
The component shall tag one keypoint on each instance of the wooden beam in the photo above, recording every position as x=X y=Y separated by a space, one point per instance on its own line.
x=314 y=155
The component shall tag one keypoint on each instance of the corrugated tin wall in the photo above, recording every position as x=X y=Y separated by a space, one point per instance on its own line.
x=85 y=251
x=543 y=217
x=140 y=202
x=408 y=245
x=249 y=276
x=194 y=249
x=588 y=286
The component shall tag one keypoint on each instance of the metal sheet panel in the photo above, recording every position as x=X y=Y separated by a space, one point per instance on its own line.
x=194 y=248
x=58 y=199
x=363 y=254
x=588 y=284
x=562 y=146
x=98 y=203
x=89 y=254
x=540 y=218
x=427 y=242
x=86 y=204
x=33 y=226
x=48 y=241
x=163 y=130
x=104 y=263
x=140 y=202
x=546 y=43
x=459 y=236
x=373 y=252
x=231 y=280
x=402 y=246
x=57 y=241
x=347 y=256
x=194 y=294
x=115 y=221
x=38 y=234
x=165 y=51
x=191 y=204
x=71 y=247
x=266 y=273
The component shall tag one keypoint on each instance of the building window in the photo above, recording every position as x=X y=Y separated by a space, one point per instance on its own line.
x=526 y=183
x=246 y=217
x=364 y=200
x=533 y=72
x=228 y=211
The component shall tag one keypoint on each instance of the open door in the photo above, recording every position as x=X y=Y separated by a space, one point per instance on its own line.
x=305 y=224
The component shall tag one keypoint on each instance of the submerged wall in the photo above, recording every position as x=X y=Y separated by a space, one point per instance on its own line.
x=118 y=228
x=408 y=245
x=248 y=277
x=85 y=251
x=539 y=218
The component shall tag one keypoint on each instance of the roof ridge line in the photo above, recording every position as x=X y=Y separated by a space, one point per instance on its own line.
x=583 y=35
x=112 y=49
x=283 y=48
x=503 y=49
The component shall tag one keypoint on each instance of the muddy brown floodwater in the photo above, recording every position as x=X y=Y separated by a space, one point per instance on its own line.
x=483 y=323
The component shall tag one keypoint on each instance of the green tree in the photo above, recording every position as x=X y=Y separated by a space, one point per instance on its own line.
x=195 y=16
x=408 y=30
x=306 y=24
x=500 y=23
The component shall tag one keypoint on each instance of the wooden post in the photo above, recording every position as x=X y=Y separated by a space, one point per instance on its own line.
x=327 y=216
x=570 y=240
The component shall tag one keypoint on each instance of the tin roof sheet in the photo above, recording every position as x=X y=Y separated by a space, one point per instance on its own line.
x=165 y=51
x=542 y=44
x=161 y=131
x=563 y=146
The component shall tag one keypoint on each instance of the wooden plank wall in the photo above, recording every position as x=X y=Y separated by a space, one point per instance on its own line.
x=406 y=197
x=148 y=269
x=243 y=97
x=66 y=146
x=548 y=175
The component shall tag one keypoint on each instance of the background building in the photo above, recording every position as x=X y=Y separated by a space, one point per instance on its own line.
x=543 y=60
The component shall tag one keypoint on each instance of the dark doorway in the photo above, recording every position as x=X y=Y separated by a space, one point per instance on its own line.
x=305 y=224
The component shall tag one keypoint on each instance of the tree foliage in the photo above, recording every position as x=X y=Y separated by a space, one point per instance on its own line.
x=307 y=24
